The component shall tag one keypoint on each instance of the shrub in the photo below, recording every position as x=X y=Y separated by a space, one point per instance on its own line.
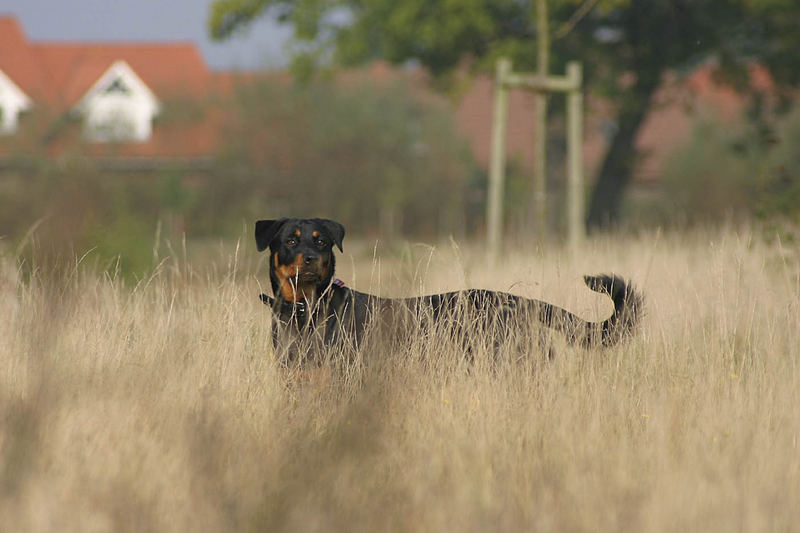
x=713 y=176
x=366 y=155
x=740 y=170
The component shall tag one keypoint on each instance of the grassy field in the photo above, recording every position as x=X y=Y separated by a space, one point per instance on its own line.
x=158 y=408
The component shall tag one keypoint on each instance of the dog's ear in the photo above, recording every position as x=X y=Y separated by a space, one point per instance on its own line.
x=265 y=232
x=335 y=230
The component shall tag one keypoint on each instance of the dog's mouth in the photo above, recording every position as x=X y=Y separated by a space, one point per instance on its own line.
x=307 y=276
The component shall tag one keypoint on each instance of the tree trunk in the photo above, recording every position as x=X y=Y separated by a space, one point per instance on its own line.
x=618 y=165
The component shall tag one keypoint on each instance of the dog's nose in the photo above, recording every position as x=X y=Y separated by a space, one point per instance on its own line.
x=310 y=258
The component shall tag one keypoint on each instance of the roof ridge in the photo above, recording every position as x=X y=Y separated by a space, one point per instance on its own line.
x=114 y=42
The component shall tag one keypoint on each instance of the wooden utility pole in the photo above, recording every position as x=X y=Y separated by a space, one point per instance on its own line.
x=540 y=140
x=575 y=185
x=497 y=165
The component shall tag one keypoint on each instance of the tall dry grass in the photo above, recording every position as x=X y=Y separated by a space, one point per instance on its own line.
x=157 y=407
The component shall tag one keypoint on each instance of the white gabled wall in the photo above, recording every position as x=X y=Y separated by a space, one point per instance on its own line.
x=118 y=107
x=12 y=102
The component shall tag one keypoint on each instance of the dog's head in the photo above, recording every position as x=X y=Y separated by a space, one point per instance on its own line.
x=301 y=261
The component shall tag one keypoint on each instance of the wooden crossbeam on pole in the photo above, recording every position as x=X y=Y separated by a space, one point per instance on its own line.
x=538 y=83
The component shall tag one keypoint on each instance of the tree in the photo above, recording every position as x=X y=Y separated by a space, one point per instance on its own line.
x=626 y=46
x=291 y=145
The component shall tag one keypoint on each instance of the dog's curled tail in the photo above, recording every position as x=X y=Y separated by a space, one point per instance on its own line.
x=628 y=309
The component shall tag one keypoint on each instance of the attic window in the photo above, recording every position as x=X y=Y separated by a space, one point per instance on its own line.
x=118 y=108
x=117 y=87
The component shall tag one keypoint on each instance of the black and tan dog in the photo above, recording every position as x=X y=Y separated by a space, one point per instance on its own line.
x=314 y=310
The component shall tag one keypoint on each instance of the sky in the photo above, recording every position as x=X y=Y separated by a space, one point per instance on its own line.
x=261 y=46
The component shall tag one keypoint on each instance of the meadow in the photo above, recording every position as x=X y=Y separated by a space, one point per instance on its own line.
x=156 y=405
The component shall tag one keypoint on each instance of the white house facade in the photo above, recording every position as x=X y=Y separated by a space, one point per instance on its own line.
x=12 y=102
x=119 y=107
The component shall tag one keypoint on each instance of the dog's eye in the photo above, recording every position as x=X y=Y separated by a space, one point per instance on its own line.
x=291 y=241
x=320 y=243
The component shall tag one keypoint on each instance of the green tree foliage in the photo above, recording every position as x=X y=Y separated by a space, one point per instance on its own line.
x=640 y=38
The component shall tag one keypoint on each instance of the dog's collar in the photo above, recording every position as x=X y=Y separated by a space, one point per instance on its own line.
x=300 y=307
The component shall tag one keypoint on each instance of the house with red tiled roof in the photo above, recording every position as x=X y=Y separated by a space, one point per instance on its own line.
x=115 y=90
